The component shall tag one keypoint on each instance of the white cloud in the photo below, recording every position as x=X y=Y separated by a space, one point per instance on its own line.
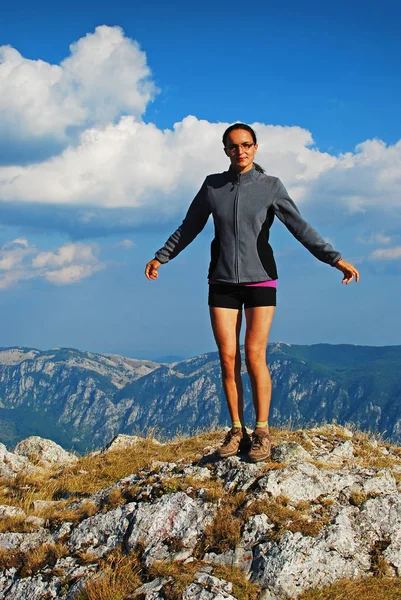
x=14 y=253
x=65 y=255
x=15 y=243
x=67 y=264
x=386 y=253
x=136 y=165
x=125 y=244
x=105 y=75
x=120 y=162
x=71 y=274
x=376 y=238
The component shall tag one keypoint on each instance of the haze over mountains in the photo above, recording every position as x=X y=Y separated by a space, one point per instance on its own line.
x=82 y=399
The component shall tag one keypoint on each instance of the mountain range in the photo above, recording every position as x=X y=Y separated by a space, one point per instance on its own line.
x=82 y=399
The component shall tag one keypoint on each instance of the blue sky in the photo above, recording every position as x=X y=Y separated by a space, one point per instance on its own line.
x=111 y=116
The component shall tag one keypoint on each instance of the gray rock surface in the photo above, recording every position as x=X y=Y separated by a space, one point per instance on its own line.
x=290 y=452
x=11 y=464
x=101 y=533
x=358 y=508
x=45 y=451
x=208 y=587
x=237 y=474
x=33 y=588
x=24 y=541
x=122 y=441
x=11 y=511
x=169 y=527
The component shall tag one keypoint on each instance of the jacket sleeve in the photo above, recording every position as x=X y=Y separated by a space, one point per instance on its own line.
x=195 y=220
x=288 y=213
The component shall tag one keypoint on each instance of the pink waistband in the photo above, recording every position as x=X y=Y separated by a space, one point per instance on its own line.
x=271 y=283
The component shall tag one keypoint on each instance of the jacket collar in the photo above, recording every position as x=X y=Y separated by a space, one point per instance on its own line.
x=243 y=177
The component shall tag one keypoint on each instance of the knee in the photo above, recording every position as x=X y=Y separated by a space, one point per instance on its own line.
x=229 y=363
x=255 y=358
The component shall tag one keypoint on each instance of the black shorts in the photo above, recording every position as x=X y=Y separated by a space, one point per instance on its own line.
x=224 y=295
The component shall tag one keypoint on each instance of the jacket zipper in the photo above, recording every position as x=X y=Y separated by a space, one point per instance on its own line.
x=236 y=229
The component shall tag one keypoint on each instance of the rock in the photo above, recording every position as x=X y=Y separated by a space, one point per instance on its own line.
x=268 y=595
x=36 y=522
x=336 y=430
x=302 y=481
x=168 y=528
x=339 y=453
x=45 y=451
x=341 y=550
x=290 y=452
x=11 y=511
x=256 y=531
x=121 y=441
x=380 y=520
x=62 y=531
x=196 y=472
x=208 y=587
x=150 y=588
x=11 y=464
x=24 y=541
x=297 y=563
x=34 y=588
x=236 y=474
x=103 y=532
x=39 y=505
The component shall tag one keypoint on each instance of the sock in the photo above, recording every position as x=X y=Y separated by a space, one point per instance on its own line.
x=237 y=425
x=261 y=424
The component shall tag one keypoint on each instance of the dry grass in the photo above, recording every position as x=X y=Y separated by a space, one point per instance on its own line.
x=93 y=473
x=16 y=524
x=305 y=517
x=56 y=515
x=213 y=489
x=224 y=532
x=243 y=589
x=299 y=436
x=119 y=575
x=181 y=575
x=358 y=497
x=372 y=588
x=30 y=562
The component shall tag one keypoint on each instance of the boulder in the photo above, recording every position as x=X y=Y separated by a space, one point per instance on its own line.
x=44 y=451
x=169 y=528
x=208 y=587
x=290 y=452
x=11 y=511
x=11 y=464
x=101 y=533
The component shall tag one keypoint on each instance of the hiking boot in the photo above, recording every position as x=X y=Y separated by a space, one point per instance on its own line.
x=261 y=446
x=236 y=440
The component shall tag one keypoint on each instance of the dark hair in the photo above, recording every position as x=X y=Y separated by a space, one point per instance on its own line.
x=246 y=128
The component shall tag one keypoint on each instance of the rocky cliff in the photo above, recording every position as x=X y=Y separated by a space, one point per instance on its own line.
x=151 y=521
x=81 y=399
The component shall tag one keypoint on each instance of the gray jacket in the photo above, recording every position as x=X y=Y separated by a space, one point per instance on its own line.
x=243 y=208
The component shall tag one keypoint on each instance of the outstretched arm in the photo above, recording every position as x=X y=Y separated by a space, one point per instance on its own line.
x=288 y=213
x=195 y=220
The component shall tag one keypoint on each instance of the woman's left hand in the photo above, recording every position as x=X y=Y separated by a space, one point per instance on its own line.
x=349 y=271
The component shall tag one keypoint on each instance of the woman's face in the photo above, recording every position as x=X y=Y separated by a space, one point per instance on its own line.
x=240 y=149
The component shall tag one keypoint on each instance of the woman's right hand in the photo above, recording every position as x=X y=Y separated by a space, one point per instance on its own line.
x=151 y=269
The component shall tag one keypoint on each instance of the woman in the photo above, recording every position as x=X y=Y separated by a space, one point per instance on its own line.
x=242 y=273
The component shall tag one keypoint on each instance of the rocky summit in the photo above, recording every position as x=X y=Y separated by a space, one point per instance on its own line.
x=176 y=522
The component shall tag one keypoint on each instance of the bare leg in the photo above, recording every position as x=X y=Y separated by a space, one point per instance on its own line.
x=226 y=325
x=258 y=323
